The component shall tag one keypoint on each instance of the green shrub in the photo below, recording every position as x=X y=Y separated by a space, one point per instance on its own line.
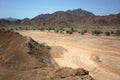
x=56 y=31
x=117 y=33
x=61 y=29
x=49 y=28
x=107 y=33
x=72 y=29
x=41 y=29
x=83 y=32
x=48 y=47
x=53 y=28
x=69 y=32
x=112 y=32
x=96 y=32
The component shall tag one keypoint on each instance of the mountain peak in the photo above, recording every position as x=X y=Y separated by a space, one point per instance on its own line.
x=10 y=19
x=79 y=12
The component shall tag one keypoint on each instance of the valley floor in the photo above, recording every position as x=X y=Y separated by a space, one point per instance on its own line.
x=98 y=54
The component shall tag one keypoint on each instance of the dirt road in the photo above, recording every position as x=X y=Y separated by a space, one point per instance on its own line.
x=97 y=54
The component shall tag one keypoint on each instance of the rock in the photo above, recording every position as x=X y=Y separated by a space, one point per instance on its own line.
x=71 y=74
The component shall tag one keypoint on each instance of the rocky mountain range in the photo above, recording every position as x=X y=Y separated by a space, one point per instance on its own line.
x=10 y=19
x=70 y=18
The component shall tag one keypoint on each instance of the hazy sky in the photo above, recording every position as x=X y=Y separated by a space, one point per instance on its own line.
x=31 y=8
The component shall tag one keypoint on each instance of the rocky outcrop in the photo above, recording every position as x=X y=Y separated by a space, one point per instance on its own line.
x=71 y=74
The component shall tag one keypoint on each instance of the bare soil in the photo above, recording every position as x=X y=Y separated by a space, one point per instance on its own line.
x=100 y=55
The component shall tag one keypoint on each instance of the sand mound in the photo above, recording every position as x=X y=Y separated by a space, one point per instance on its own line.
x=57 y=51
x=22 y=58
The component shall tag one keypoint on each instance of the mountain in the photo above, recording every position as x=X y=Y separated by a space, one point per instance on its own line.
x=70 y=18
x=110 y=20
x=75 y=18
x=10 y=19
x=61 y=18
x=4 y=23
x=80 y=13
x=26 y=19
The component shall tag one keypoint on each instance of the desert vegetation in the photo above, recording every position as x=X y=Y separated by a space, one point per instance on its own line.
x=70 y=30
x=96 y=32
x=107 y=33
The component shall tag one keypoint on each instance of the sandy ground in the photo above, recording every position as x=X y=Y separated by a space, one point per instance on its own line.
x=98 y=54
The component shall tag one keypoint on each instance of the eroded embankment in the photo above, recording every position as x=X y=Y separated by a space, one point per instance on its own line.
x=21 y=58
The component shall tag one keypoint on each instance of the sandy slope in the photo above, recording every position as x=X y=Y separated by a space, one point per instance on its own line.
x=99 y=55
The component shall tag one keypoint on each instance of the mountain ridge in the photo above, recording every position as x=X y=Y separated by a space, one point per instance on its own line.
x=69 y=18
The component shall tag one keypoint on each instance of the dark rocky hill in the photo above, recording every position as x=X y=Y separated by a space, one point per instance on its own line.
x=70 y=18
